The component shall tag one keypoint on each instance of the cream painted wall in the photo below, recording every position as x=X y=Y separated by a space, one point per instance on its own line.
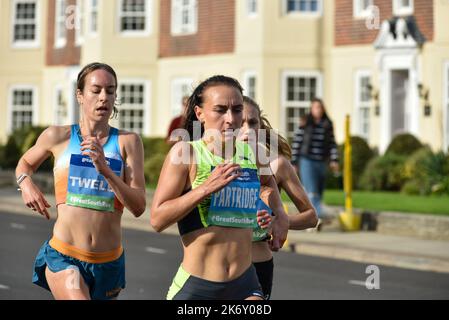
x=286 y=47
x=19 y=66
x=115 y=48
x=435 y=58
x=199 y=69
x=345 y=62
x=269 y=44
x=54 y=77
x=273 y=68
x=249 y=29
x=132 y=57
x=441 y=22
x=149 y=77
x=432 y=128
x=290 y=34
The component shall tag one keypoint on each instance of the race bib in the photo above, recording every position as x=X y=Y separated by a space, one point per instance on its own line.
x=260 y=234
x=235 y=204
x=86 y=187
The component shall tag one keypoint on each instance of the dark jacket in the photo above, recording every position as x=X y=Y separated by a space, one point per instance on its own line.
x=315 y=141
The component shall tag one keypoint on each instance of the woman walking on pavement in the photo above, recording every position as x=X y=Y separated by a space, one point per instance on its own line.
x=210 y=187
x=313 y=146
x=286 y=179
x=98 y=171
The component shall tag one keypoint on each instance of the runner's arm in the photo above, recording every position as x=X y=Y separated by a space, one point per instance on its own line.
x=131 y=192
x=30 y=162
x=169 y=205
x=289 y=181
x=270 y=194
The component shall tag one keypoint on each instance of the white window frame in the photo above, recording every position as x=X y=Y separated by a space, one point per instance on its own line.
x=34 y=106
x=362 y=13
x=252 y=8
x=359 y=105
x=247 y=75
x=146 y=118
x=26 y=44
x=93 y=11
x=312 y=14
x=399 y=10
x=446 y=106
x=294 y=104
x=80 y=22
x=177 y=8
x=176 y=94
x=60 y=42
x=148 y=21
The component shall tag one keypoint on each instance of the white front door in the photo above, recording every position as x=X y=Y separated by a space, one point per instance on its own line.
x=399 y=102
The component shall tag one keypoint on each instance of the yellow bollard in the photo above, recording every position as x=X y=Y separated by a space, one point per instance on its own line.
x=349 y=221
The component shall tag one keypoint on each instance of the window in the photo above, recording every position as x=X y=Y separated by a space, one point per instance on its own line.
x=249 y=84
x=362 y=8
x=132 y=108
x=299 y=88
x=25 y=27
x=60 y=24
x=79 y=22
x=402 y=7
x=23 y=102
x=180 y=88
x=60 y=107
x=303 y=6
x=251 y=7
x=363 y=103
x=184 y=17
x=135 y=17
x=93 y=20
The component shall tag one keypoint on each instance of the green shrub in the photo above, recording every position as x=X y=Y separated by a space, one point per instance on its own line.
x=412 y=187
x=2 y=157
x=18 y=143
x=428 y=172
x=384 y=173
x=152 y=168
x=441 y=187
x=11 y=153
x=153 y=146
x=361 y=154
x=404 y=144
x=155 y=151
x=30 y=140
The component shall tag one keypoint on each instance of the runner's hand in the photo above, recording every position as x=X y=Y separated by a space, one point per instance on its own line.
x=92 y=147
x=33 y=198
x=279 y=231
x=221 y=176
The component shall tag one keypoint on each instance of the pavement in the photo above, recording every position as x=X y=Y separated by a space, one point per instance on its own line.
x=361 y=246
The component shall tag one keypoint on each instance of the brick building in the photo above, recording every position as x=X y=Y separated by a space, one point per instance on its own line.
x=384 y=62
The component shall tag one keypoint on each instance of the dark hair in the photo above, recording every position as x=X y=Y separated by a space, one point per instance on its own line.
x=283 y=146
x=91 y=67
x=196 y=99
x=309 y=120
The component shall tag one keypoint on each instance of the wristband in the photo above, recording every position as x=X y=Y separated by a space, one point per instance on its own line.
x=21 y=178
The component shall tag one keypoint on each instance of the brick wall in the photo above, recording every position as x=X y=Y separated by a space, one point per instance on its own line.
x=351 y=31
x=68 y=55
x=216 y=30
